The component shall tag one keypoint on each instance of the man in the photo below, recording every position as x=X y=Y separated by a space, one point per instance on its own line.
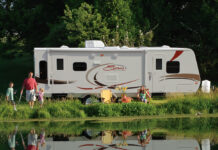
x=31 y=87
x=32 y=140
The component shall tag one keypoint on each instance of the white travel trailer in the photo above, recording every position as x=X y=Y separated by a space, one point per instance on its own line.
x=85 y=71
x=81 y=144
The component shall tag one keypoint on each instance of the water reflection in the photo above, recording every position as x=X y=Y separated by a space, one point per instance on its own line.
x=159 y=134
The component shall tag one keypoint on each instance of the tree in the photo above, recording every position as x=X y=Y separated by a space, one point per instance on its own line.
x=84 y=23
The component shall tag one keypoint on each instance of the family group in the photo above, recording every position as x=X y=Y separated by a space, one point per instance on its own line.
x=31 y=92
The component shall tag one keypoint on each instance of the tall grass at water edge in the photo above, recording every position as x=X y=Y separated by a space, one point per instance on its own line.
x=173 y=104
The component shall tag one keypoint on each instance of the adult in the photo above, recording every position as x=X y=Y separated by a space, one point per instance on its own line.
x=31 y=88
x=32 y=140
x=143 y=93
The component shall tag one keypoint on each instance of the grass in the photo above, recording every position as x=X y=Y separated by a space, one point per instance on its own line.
x=198 y=103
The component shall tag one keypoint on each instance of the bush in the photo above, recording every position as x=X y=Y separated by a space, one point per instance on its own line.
x=185 y=104
x=43 y=114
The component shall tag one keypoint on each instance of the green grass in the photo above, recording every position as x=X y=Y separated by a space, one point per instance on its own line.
x=15 y=70
x=68 y=109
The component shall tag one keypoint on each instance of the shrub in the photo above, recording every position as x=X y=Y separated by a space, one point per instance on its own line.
x=43 y=114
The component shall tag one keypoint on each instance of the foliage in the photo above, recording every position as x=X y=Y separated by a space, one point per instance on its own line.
x=52 y=23
x=84 y=23
x=187 y=104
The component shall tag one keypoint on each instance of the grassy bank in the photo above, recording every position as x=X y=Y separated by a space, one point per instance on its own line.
x=182 y=104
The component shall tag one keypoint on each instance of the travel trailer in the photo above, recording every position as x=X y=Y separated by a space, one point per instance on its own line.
x=82 y=72
x=82 y=144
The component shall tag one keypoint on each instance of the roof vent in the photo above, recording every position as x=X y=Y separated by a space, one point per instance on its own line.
x=165 y=46
x=64 y=46
x=124 y=47
x=93 y=44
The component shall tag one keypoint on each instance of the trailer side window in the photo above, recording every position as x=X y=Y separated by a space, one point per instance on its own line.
x=159 y=64
x=60 y=64
x=43 y=69
x=173 y=67
x=79 y=66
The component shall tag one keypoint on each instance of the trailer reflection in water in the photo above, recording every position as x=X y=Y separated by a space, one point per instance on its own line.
x=122 y=140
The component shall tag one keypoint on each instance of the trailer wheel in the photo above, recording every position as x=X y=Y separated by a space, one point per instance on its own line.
x=91 y=134
x=90 y=100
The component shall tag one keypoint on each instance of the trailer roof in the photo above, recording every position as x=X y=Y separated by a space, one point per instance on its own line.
x=115 y=49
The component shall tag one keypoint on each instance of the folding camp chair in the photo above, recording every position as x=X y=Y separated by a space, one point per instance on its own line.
x=106 y=96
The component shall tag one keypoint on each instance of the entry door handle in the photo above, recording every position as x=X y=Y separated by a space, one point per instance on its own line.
x=149 y=76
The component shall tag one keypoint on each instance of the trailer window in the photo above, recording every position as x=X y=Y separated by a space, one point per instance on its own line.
x=159 y=64
x=60 y=64
x=79 y=66
x=173 y=67
x=43 y=69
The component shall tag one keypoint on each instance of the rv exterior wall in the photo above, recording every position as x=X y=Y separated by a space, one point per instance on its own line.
x=88 y=71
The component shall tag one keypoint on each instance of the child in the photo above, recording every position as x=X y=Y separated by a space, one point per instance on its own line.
x=11 y=139
x=41 y=94
x=42 y=138
x=143 y=94
x=10 y=94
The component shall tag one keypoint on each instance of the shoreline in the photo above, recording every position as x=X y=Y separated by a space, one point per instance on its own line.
x=115 y=119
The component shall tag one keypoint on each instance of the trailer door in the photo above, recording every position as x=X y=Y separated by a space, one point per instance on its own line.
x=158 y=72
x=59 y=73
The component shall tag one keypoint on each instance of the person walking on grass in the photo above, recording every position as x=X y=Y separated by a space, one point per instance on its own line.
x=10 y=95
x=31 y=88
x=40 y=97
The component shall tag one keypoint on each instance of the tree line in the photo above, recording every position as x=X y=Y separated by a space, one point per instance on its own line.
x=27 y=24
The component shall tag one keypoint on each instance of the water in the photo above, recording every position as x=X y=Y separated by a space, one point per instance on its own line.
x=151 y=134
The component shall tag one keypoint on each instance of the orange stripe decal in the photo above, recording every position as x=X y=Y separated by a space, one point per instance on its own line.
x=177 y=54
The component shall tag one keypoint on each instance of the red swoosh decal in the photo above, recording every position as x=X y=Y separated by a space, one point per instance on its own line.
x=112 y=86
x=123 y=83
x=177 y=54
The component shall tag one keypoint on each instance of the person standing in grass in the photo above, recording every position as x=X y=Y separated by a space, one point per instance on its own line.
x=10 y=95
x=31 y=88
x=40 y=97
x=143 y=94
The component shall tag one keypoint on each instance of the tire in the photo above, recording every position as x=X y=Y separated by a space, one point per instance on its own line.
x=89 y=100
x=91 y=134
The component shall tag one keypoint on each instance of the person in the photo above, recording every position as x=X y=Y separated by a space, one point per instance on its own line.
x=42 y=138
x=41 y=99
x=10 y=95
x=126 y=99
x=31 y=87
x=144 y=137
x=12 y=139
x=143 y=93
x=32 y=140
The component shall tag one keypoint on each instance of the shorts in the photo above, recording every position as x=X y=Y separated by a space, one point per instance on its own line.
x=30 y=95
x=144 y=100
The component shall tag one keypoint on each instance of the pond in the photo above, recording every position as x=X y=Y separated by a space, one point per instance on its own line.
x=150 y=134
